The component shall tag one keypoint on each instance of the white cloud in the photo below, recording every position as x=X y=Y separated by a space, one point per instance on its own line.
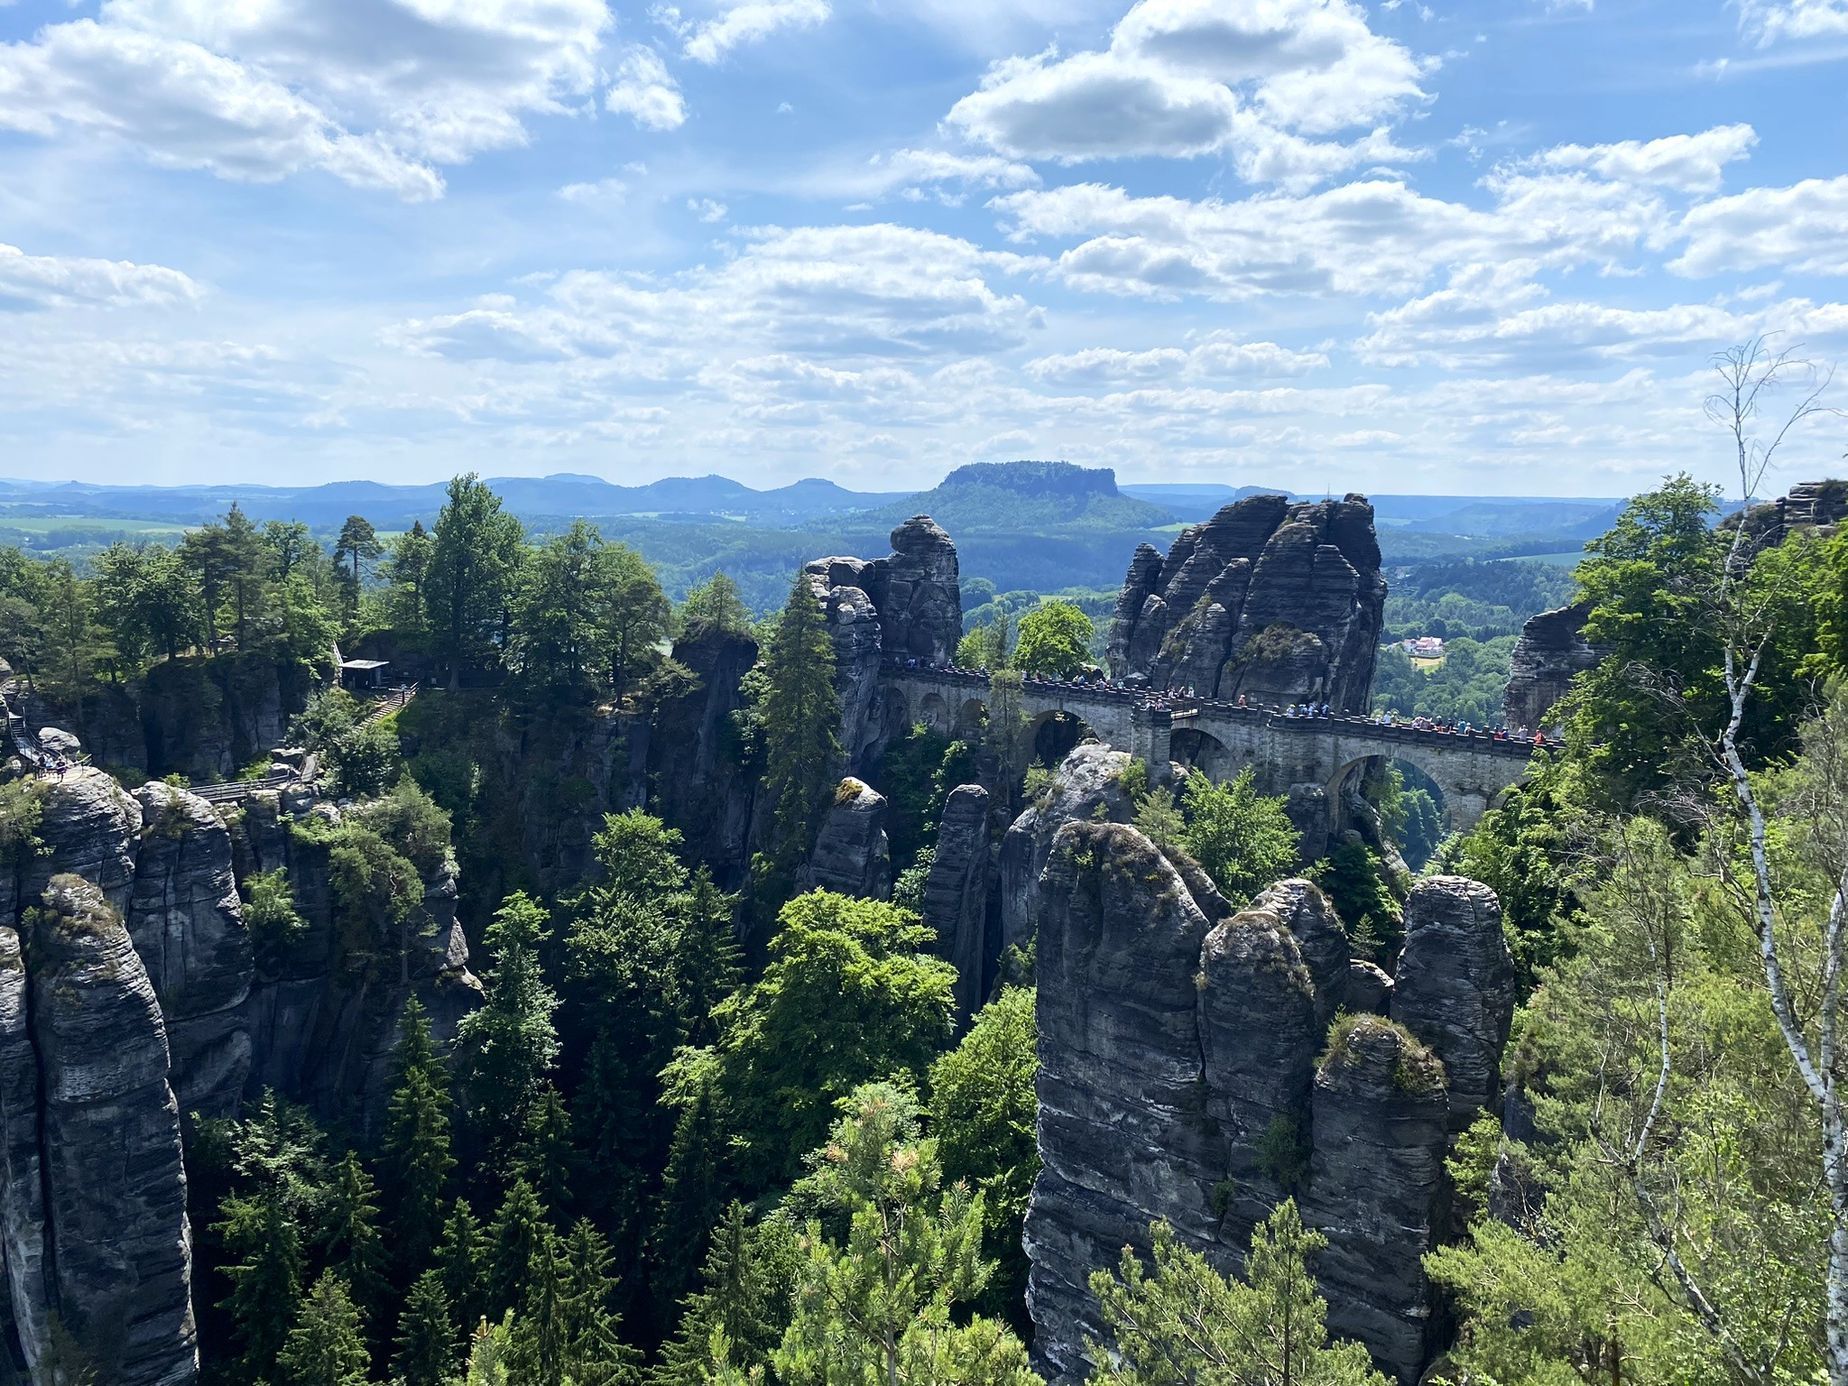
x=1797 y=229
x=1774 y=21
x=371 y=93
x=604 y=191
x=187 y=107
x=645 y=91
x=1686 y=163
x=831 y=294
x=46 y=281
x=1220 y=354
x=1377 y=236
x=1170 y=84
x=750 y=21
x=707 y=209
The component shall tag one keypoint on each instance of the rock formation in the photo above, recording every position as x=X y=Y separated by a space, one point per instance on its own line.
x=1551 y=650
x=1814 y=505
x=907 y=605
x=852 y=852
x=95 y=1221
x=956 y=895
x=1377 y=1188
x=188 y=926
x=694 y=779
x=1179 y=1077
x=1088 y=786
x=1275 y=601
x=1455 y=989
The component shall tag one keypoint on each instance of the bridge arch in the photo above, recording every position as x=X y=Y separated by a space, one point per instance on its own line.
x=1052 y=734
x=934 y=713
x=1201 y=750
x=971 y=718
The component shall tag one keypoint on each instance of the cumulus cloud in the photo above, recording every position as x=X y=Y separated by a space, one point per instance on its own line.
x=48 y=281
x=707 y=209
x=1183 y=78
x=644 y=91
x=836 y=293
x=1220 y=354
x=371 y=93
x=1375 y=236
x=746 y=22
x=1796 y=229
x=1686 y=163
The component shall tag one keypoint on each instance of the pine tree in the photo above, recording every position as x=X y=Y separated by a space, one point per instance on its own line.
x=508 y=1045
x=350 y=1231
x=246 y=570
x=739 y=1299
x=357 y=546
x=263 y=1255
x=407 y=569
x=1186 y=1322
x=694 y=1186
x=800 y=712
x=462 y=1262
x=545 y=1157
x=414 y=1157
x=326 y=1346
x=519 y=1240
x=594 y=1354
x=427 y=1347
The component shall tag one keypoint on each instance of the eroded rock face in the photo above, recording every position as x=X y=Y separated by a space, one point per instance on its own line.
x=1552 y=650
x=907 y=605
x=1087 y=787
x=187 y=924
x=1279 y=602
x=1123 y=1130
x=107 y=1248
x=1455 y=988
x=694 y=780
x=1181 y=1079
x=852 y=852
x=1377 y=1189
x=956 y=895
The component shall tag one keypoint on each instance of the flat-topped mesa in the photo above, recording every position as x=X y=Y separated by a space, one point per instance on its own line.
x=907 y=605
x=1276 y=601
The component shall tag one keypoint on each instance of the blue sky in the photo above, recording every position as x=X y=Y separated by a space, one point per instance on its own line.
x=1476 y=247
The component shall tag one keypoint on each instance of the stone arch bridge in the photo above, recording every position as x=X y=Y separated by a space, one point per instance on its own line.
x=1221 y=738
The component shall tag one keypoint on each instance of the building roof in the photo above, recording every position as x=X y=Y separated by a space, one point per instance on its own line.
x=364 y=664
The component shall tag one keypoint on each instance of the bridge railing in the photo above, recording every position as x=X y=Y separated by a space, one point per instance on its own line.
x=1186 y=707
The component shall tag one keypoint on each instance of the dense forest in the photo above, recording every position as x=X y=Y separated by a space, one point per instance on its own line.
x=735 y=1130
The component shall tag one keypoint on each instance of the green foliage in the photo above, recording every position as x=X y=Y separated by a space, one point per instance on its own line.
x=1055 y=640
x=849 y=994
x=22 y=809
x=427 y=1348
x=415 y=1159
x=349 y=1232
x=983 y=1110
x=1283 y=1152
x=325 y=1347
x=1520 y=850
x=882 y=1301
x=1364 y=898
x=714 y=605
x=584 y=603
x=462 y=1262
x=472 y=574
x=744 y=1298
x=506 y=1048
x=1186 y=1325
x=1471 y=599
x=263 y=1261
x=1242 y=838
x=1467 y=687
x=797 y=712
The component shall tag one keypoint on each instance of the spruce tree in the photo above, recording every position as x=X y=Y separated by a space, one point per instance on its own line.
x=739 y=1299
x=350 y=1231
x=545 y=1157
x=694 y=1185
x=800 y=716
x=507 y=1046
x=325 y=1347
x=427 y=1347
x=595 y=1354
x=462 y=1262
x=414 y=1157
x=263 y=1253
x=519 y=1240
